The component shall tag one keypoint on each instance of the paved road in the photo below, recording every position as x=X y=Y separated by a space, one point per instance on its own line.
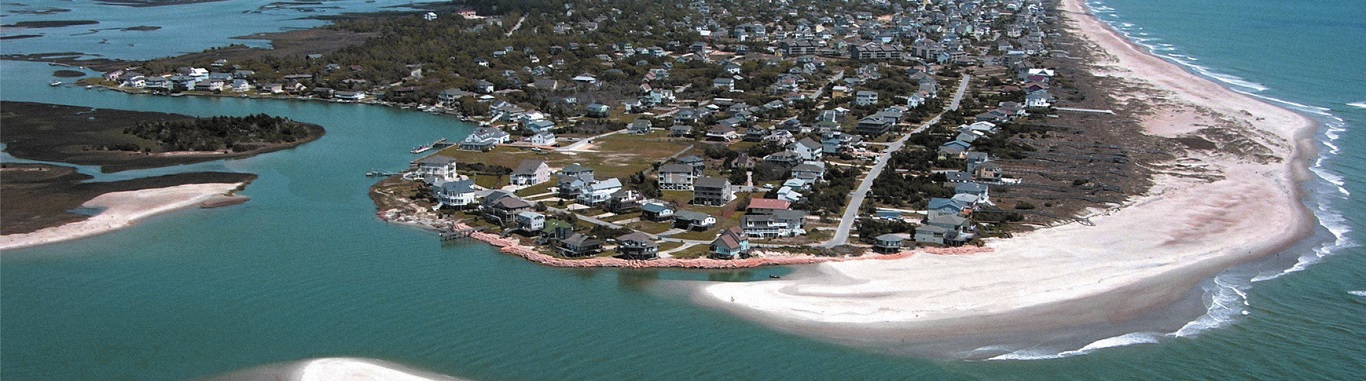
x=856 y=198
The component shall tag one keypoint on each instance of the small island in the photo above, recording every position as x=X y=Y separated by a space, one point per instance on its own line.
x=119 y=140
x=42 y=203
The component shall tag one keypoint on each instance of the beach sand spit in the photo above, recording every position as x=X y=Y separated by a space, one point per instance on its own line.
x=123 y=209
x=1134 y=259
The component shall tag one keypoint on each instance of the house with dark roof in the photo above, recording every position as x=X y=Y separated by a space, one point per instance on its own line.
x=730 y=243
x=640 y=126
x=676 y=177
x=624 y=200
x=873 y=125
x=578 y=245
x=655 y=211
x=807 y=149
x=712 y=191
x=483 y=139
x=781 y=223
x=974 y=188
x=530 y=172
x=691 y=220
x=637 y=245
x=457 y=194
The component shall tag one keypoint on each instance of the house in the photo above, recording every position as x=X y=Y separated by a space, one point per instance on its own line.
x=975 y=159
x=578 y=245
x=676 y=177
x=956 y=206
x=483 y=87
x=865 y=98
x=755 y=134
x=543 y=138
x=530 y=172
x=931 y=234
x=680 y=130
x=693 y=220
x=442 y=168
x=598 y=110
x=727 y=84
x=1038 y=98
x=697 y=163
x=458 y=194
x=637 y=245
x=655 y=211
x=810 y=171
x=639 y=126
x=504 y=209
x=483 y=139
x=349 y=95
x=570 y=186
x=784 y=158
x=730 y=243
x=889 y=243
x=976 y=189
x=712 y=191
x=599 y=191
x=873 y=125
x=957 y=177
x=538 y=125
x=688 y=116
x=766 y=206
x=722 y=133
x=624 y=200
x=807 y=149
x=988 y=172
x=270 y=88
x=781 y=223
x=953 y=149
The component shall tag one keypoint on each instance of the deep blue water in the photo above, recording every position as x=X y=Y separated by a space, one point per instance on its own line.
x=304 y=270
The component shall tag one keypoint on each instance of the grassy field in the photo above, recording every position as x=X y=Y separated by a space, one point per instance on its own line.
x=619 y=155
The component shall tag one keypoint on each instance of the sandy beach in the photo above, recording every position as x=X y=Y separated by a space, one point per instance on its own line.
x=123 y=209
x=1244 y=205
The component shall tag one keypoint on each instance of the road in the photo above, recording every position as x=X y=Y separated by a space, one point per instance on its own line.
x=856 y=198
x=516 y=26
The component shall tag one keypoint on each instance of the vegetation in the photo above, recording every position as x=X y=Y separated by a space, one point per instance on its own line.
x=236 y=134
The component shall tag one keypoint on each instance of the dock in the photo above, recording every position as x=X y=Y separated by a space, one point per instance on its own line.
x=438 y=144
x=460 y=234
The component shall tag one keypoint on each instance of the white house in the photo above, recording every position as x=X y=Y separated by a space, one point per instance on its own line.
x=599 y=191
x=807 y=149
x=457 y=194
x=544 y=138
x=441 y=167
x=530 y=172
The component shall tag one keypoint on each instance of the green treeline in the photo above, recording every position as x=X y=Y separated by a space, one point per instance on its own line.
x=236 y=134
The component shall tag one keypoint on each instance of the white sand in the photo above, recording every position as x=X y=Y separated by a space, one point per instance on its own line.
x=1133 y=260
x=123 y=209
x=350 y=369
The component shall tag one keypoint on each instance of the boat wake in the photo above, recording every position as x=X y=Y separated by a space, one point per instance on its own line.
x=1358 y=104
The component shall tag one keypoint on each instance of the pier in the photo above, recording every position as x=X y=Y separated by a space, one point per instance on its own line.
x=459 y=234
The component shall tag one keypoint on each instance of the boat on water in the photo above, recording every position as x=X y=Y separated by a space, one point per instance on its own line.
x=55 y=83
x=427 y=147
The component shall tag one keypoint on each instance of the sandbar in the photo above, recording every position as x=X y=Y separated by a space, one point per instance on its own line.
x=1245 y=205
x=123 y=209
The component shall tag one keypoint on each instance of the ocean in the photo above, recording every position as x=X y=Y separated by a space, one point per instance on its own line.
x=304 y=270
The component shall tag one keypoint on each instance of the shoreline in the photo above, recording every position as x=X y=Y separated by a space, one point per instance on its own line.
x=1075 y=275
x=125 y=209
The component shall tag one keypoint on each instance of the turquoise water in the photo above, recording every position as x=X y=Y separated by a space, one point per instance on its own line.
x=304 y=270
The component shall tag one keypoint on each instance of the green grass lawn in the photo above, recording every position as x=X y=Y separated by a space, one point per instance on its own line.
x=666 y=246
x=697 y=251
x=536 y=189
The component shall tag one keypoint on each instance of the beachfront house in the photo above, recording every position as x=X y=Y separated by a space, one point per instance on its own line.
x=637 y=245
x=730 y=243
x=456 y=194
x=976 y=189
x=690 y=220
x=578 y=245
x=530 y=172
x=931 y=234
x=529 y=221
x=712 y=191
x=781 y=223
x=437 y=167
x=889 y=243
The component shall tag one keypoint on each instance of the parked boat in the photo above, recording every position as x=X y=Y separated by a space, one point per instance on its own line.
x=55 y=83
